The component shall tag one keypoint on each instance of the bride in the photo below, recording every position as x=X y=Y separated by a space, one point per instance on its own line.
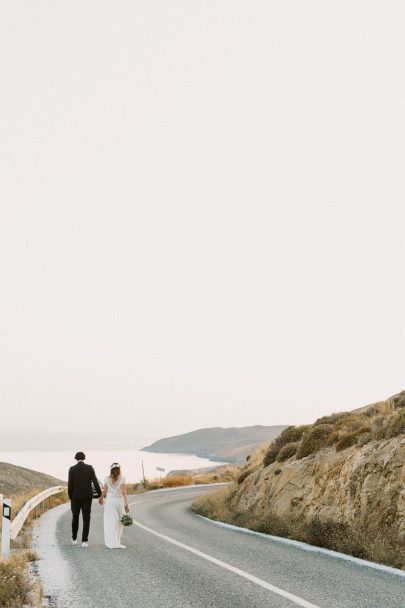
x=115 y=495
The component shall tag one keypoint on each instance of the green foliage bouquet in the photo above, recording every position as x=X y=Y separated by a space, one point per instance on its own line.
x=126 y=520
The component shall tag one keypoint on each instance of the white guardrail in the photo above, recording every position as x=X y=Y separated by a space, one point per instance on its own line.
x=11 y=528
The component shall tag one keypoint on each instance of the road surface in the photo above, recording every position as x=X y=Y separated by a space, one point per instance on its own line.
x=175 y=559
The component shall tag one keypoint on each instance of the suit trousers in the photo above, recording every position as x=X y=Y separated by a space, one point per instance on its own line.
x=83 y=505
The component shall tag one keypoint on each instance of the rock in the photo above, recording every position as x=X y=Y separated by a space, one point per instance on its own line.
x=363 y=486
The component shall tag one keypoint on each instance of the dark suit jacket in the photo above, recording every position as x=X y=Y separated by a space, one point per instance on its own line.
x=79 y=483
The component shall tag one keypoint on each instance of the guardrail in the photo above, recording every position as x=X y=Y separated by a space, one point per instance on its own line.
x=11 y=528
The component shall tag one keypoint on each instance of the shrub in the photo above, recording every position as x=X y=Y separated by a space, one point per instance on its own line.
x=378 y=422
x=335 y=535
x=293 y=433
x=287 y=451
x=314 y=440
x=372 y=411
x=399 y=400
x=272 y=453
x=14 y=583
x=365 y=438
x=378 y=543
x=271 y=524
x=396 y=426
x=333 y=438
x=353 y=423
x=289 y=435
x=346 y=441
x=243 y=474
x=332 y=418
x=380 y=433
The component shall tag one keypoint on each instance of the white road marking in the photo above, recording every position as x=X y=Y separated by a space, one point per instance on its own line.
x=306 y=547
x=253 y=579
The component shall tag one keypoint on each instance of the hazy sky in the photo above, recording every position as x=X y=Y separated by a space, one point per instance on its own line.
x=202 y=212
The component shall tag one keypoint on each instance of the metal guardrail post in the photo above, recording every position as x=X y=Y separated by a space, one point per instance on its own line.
x=6 y=524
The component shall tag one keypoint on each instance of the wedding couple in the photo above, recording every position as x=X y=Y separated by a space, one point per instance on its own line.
x=114 y=497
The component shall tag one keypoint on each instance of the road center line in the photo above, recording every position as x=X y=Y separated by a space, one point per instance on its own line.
x=253 y=579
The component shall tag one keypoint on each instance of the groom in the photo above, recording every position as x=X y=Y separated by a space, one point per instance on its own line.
x=80 y=492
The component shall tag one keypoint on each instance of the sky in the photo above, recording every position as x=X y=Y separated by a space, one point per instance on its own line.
x=201 y=212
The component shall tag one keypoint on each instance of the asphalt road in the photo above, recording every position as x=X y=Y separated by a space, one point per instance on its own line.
x=175 y=559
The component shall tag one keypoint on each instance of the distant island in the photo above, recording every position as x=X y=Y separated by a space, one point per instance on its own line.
x=19 y=480
x=218 y=444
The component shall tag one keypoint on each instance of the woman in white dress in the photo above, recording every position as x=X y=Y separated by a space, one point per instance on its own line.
x=115 y=496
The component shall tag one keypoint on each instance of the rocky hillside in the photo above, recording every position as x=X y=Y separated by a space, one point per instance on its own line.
x=218 y=444
x=18 y=480
x=339 y=483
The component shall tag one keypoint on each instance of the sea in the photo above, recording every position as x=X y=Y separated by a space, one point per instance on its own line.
x=57 y=462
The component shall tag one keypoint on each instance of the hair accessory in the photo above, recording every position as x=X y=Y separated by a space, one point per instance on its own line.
x=114 y=465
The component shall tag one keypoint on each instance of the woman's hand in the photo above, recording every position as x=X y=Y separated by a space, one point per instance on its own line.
x=101 y=500
x=126 y=508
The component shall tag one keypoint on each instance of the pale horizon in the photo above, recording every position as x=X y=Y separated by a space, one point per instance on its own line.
x=202 y=214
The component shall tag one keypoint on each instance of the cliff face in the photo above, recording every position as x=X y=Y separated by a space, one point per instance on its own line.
x=363 y=486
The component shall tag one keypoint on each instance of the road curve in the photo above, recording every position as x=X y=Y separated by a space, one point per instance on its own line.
x=175 y=559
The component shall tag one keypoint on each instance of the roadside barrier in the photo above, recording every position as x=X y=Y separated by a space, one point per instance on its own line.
x=11 y=528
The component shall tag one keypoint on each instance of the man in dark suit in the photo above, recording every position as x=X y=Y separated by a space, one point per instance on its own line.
x=80 y=492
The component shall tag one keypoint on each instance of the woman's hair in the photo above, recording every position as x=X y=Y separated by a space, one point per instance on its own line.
x=115 y=470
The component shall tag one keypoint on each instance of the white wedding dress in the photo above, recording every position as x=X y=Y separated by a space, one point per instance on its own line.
x=113 y=511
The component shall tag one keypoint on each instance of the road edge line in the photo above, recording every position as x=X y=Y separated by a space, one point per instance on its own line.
x=311 y=548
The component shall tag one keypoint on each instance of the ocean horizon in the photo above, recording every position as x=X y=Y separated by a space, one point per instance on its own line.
x=57 y=462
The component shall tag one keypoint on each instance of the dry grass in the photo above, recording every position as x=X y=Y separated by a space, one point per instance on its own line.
x=175 y=481
x=223 y=474
x=215 y=505
x=49 y=503
x=379 y=545
x=15 y=585
x=255 y=460
x=347 y=440
x=19 y=500
x=382 y=420
x=385 y=408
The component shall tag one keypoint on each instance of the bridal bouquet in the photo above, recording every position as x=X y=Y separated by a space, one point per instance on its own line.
x=126 y=520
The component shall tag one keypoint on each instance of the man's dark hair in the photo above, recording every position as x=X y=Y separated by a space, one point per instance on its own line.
x=80 y=456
